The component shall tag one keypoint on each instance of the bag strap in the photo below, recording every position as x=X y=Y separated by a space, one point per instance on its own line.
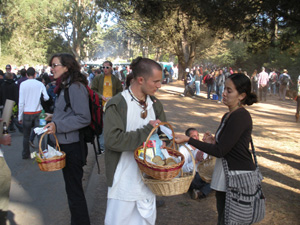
x=253 y=152
x=67 y=99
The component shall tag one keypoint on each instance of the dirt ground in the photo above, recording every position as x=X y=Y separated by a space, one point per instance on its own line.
x=276 y=138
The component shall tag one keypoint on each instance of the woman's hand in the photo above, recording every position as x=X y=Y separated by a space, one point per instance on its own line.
x=51 y=128
x=48 y=117
x=180 y=138
x=208 y=138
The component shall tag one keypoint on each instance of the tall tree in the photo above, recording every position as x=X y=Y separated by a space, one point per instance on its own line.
x=78 y=21
x=164 y=25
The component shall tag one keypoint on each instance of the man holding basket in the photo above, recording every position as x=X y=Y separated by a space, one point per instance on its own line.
x=129 y=119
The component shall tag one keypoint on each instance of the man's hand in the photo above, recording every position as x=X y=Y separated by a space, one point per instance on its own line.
x=20 y=121
x=154 y=122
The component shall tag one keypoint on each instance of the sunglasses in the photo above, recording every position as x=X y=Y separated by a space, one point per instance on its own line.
x=105 y=67
x=55 y=65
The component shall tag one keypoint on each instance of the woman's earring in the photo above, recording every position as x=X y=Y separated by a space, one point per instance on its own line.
x=239 y=103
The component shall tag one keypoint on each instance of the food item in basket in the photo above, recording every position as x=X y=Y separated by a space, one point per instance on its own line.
x=167 y=162
x=160 y=163
x=170 y=160
x=156 y=159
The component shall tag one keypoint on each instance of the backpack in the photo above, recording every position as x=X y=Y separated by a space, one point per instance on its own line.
x=274 y=77
x=94 y=129
x=284 y=80
x=48 y=105
x=205 y=79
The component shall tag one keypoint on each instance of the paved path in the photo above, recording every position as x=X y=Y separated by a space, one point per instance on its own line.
x=36 y=197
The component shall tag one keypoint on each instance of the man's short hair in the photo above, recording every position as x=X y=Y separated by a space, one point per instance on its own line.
x=109 y=62
x=188 y=131
x=143 y=67
x=23 y=72
x=8 y=66
x=30 y=71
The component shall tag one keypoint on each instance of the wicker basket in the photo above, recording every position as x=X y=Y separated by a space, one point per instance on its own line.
x=51 y=164
x=176 y=186
x=206 y=168
x=155 y=171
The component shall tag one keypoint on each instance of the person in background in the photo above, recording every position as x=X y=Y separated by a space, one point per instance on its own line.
x=22 y=78
x=106 y=86
x=30 y=107
x=9 y=90
x=66 y=123
x=130 y=117
x=298 y=99
x=232 y=138
x=210 y=83
x=273 y=77
x=284 y=80
x=197 y=82
x=220 y=80
x=199 y=188
x=263 y=83
x=189 y=82
x=5 y=179
x=254 y=79
x=8 y=70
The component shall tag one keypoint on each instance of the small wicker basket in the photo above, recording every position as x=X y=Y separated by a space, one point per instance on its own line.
x=53 y=163
x=155 y=171
x=206 y=168
x=176 y=186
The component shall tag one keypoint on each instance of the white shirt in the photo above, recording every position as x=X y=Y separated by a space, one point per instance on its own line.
x=29 y=97
x=188 y=165
x=128 y=184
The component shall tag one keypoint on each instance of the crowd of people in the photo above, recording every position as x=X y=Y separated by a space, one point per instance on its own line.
x=263 y=83
x=131 y=111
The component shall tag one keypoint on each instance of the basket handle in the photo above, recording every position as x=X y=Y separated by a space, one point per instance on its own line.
x=149 y=136
x=193 y=160
x=40 y=143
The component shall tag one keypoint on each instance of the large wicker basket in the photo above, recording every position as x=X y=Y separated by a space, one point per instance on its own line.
x=206 y=168
x=155 y=171
x=50 y=164
x=176 y=186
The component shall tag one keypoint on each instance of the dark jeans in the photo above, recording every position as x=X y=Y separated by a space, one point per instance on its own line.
x=263 y=93
x=29 y=122
x=201 y=185
x=73 y=173
x=209 y=89
x=220 y=197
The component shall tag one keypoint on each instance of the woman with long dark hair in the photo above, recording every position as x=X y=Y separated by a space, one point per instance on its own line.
x=66 y=122
x=232 y=138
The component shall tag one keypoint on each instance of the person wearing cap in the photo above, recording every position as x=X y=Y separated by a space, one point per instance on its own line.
x=8 y=70
x=30 y=106
x=189 y=84
x=263 y=82
x=284 y=80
